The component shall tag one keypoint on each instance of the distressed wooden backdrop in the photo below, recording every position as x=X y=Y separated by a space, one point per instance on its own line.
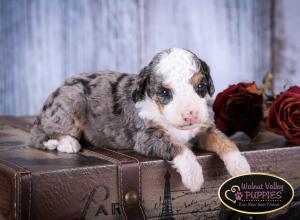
x=44 y=41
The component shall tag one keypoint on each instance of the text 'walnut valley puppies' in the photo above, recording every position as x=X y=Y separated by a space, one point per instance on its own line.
x=160 y=112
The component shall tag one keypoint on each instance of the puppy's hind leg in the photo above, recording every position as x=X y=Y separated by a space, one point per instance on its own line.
x=65 y=138
x=37 y=135
x=62 y=122
x=65 y=144
x=68 y=144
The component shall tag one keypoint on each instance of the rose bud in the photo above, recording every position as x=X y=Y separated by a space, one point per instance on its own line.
x=239 y=108
x=284 y=115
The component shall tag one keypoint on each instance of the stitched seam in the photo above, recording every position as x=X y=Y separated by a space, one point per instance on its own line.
x=121 y=190
x=140 y=191
x=15 y=176
x=29 y=196
x=20 y=196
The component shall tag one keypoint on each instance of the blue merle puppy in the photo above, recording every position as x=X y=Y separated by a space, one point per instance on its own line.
x=160 y=112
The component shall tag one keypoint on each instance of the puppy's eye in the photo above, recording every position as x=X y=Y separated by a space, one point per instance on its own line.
x=166 y=93
x=201 y=89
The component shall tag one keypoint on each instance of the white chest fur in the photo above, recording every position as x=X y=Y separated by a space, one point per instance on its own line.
x=182 y=136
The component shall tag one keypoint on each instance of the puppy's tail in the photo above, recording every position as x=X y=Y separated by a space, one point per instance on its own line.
x=37 y=136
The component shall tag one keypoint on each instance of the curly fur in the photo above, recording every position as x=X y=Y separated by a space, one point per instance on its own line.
x=159 y=112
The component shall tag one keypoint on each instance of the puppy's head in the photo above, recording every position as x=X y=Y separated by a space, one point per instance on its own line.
x=173 y=88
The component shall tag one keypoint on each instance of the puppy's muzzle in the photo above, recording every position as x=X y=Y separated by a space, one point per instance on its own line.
x=190 y=117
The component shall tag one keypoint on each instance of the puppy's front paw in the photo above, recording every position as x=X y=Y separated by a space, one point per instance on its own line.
x=68 y=144
x=190 y=170
x=236 y=163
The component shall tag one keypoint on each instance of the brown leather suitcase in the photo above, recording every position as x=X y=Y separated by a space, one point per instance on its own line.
x=101 y=184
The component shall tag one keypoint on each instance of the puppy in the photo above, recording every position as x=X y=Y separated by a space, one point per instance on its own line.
x=161 y=112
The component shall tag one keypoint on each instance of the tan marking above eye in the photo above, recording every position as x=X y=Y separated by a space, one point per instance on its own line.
x=166 y=86
x=196 y=79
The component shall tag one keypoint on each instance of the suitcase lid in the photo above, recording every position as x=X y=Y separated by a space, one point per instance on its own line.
x=14 y=148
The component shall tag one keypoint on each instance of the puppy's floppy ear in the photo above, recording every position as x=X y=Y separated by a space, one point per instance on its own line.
x=141 y=85
x=206 y=72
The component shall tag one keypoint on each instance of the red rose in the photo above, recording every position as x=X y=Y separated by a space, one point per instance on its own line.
x=239 y=108
x=284 y=115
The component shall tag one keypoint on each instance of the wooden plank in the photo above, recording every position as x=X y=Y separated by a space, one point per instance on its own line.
x=286 y=47
x=232 y=36
x=42 y=42
x=101 y=35
x=10 y=21
x=43 y=55
x=32 y=55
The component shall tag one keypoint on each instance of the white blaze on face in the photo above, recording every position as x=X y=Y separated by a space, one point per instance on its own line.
x=177 y=68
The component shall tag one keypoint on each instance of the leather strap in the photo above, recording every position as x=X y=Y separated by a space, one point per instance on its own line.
x=24 y=197
x=129 y=180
